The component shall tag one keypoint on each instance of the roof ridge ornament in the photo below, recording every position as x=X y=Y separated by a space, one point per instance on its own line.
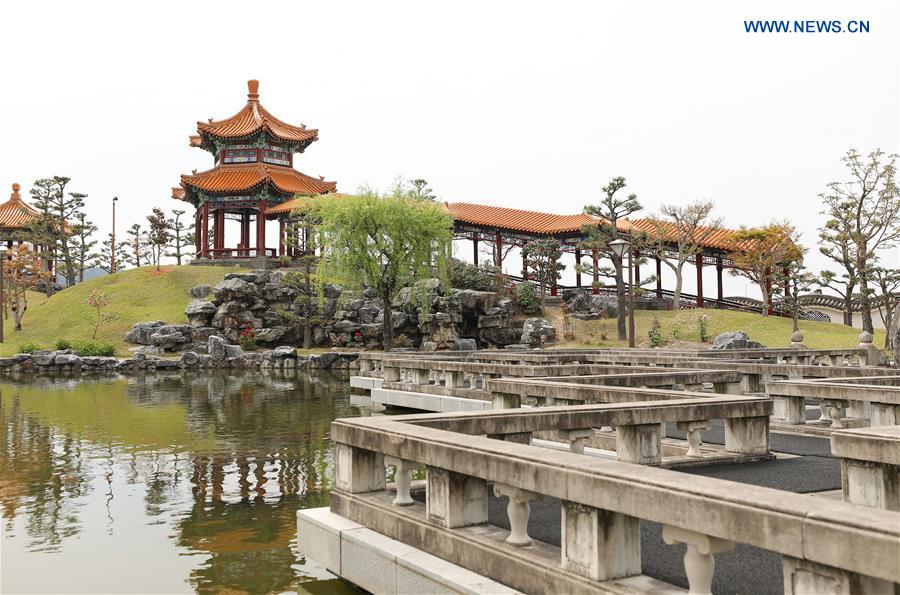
x=253 y=90
x=15 y=196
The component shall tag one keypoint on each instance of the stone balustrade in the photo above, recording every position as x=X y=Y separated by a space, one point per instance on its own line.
x=826 y=546
x=878 y=400
x=870 y=465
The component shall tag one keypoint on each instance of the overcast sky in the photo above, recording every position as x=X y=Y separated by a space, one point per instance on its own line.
x=532 y=106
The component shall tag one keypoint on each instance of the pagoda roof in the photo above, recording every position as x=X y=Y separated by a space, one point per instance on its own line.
x=16 y=213
x=252 y=119
x=533 y=222
x=241 y=178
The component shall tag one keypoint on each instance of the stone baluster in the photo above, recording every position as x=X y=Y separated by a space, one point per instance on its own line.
x=834 y=412
x=506 y=401
x=699 y=560
x=837 y=360
x=366 y=365
x=693 y=429
x=402 y=479
x=518 y=510
x=576 y=439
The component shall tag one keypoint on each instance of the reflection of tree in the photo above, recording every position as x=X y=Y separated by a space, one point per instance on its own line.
x=40 y=470
x=254 y=449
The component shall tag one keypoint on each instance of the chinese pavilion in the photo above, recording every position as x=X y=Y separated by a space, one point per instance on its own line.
x=15 y=215
x=253 y=179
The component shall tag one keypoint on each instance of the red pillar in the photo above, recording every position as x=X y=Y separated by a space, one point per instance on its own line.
x=577 y=267
x=498 y=262
x=475 y=250
x=198 y=238
x=261 y=229
x=204 y=231
x=787 y=282
x=280 y=237
x=699 y=260
x=524 y=264
x=220 y=228
x=596 y=280
x=768 y=274
x=719 y=267
x=245 y=232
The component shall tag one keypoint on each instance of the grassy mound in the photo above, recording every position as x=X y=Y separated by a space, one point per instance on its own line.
x=135 y=295
x=681 y=328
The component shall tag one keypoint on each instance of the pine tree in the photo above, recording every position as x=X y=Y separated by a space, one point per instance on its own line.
x=82 y=243
x=104 y=258
x=53 y=228
x=158 y=236
x=137 y=252
x=180 y=235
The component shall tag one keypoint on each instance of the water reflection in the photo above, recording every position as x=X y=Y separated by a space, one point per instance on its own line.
x=202 y=475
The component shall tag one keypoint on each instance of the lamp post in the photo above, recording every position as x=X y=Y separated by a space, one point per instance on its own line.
x=112 y=246
x=2 y=298
x=619 y=246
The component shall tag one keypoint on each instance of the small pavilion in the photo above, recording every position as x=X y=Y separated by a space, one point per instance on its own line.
x=15 y=216
x=252 y=175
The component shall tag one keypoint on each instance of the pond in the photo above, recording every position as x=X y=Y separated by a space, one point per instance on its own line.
x=164 y=483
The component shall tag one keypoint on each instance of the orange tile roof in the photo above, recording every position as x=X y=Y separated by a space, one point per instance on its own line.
x=252 y=118
x=238 y=178
x=722 y=239
x=16 y=213
x=524 y=221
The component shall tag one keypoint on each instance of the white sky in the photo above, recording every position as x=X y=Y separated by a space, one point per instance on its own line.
x=532 y=106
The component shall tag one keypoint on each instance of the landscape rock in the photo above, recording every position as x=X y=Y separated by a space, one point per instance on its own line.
x=216 y=349
x=465 y=345
x=200 y=312
x=140 y=333
x=735 y=340
x=201 y=291
x=67 y=359
x=536 y=328
x=234 y=289
x=190 y=359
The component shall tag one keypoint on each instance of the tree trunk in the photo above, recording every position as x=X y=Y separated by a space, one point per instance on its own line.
x=677 y=295
x=765 y=297
x=620 y=297
x=848 y=305
x=865 y=305
x=388 y=330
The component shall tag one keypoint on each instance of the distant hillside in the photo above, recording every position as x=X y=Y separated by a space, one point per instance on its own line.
x=135 y=295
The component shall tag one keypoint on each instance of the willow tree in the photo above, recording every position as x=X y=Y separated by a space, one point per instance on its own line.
x=382 y=242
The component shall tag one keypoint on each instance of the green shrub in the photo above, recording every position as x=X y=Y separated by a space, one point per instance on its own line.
x=656 y=337
x=30 y=347
x=468 y=276
x=703 y=328
x=63 y=344
x=525 y=295
x=93 y=348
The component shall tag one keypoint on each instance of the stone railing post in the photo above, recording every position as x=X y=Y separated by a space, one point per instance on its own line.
x=639 y=444
x=885 y=414
x=390 y=373
x=750 y=383
x=454 y=500
x=576 y=439
x=699 y=563
x=506 y=401
x=747 y=435
x=421 y=376
x=402 y=479
x=599 y=544
x=366 y=365
x=518 y=510
x=359 y=470
x=453 y=379
x=694 y=440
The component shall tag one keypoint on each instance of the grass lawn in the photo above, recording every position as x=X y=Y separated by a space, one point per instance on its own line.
x=681 y=328
x=135 y=295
